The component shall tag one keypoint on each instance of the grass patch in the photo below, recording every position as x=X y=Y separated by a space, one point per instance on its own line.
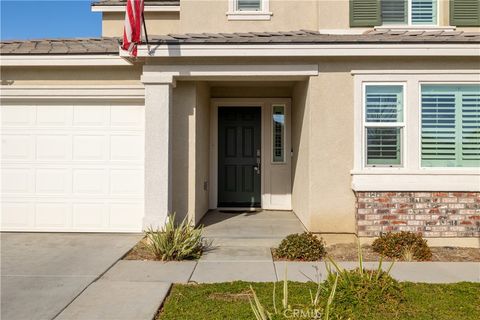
x=230 y=301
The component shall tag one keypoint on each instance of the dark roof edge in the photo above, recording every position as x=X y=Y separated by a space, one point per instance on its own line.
x=115 y=3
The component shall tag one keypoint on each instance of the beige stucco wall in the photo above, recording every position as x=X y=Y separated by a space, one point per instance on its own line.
x=322 y=194
x=202 y=150
x=210 y=16
x=184 y=100
x=71 y=75
x=301 y=152
x=332 y=202
x=322 y=128
x=191 y=139
x=156 y=22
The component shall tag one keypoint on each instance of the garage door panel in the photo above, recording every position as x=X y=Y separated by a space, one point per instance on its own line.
x=89 y=147
x=125 y=182
x=89 y=181
x=72 y=168
x=52 y=215
x=126 y=147
x=53 y=147
x=55 y=116
x=90 y=116
x=17 y=147
x=17 y=116
x=16 y=180
x=89 y=216
x=17 y=215
x=53 y=181
x=121 y=218
x=127 y=116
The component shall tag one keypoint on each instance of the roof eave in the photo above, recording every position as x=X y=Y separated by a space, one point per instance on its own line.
x=306 y=50
x=70 y=60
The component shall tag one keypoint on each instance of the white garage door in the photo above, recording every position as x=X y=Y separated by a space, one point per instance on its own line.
x=72 y=168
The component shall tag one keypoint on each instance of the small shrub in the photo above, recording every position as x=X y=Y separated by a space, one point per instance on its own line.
x=401 y=245
x=175 y=242
x=305 y=246
x=360 y=290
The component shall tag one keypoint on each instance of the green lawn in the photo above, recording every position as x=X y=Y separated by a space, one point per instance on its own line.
x=229 y=301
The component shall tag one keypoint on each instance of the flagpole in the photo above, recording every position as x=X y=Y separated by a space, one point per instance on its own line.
x=145 y=31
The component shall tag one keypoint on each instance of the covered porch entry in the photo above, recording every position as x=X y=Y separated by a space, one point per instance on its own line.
x=223 y=140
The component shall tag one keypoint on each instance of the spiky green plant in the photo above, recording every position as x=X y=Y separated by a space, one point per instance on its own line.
x=360 y=287
x=175 y=242
x=261 y=313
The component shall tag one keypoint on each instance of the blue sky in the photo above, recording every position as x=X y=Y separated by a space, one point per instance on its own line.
x=34 y=19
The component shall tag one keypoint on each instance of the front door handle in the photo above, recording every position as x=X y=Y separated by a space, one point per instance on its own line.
x=257 y=167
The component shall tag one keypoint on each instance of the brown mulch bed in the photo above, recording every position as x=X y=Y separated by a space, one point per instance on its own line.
x=139 y=252
x=344 y=252
x=349 y=252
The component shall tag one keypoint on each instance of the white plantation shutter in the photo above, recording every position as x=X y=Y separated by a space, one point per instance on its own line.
x=384 y=103
x=471 y=127
x=438 y=127
x=450 y=125
x=383 y=146
x=383 y=124
x=394 y=11
x=424 y=12
x=249 y=5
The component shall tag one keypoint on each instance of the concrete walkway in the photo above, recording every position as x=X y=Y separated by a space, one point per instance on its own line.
x=240 y=251
x=250 y=229
x=267 y=271
x=41 y=273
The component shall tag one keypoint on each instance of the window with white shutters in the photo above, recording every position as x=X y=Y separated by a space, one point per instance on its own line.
x=409 y=12
x=450 y=125
x=384 y=124
x=249 y=5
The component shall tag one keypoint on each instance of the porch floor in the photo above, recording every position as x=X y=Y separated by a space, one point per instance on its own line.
x=264 y=228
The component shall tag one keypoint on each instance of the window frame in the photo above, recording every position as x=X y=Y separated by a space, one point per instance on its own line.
x=409 y=23
x=401 y=125
x=439 y=83
x=411 y=177
x=262 y=14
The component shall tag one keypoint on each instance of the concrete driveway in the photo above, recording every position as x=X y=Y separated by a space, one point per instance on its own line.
x=41 y=273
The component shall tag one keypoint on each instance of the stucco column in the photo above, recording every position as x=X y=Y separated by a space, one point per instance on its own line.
x=158 y=148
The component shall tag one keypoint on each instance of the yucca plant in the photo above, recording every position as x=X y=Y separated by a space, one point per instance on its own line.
x=175 y=242
x=359 y=288
x=261 y=313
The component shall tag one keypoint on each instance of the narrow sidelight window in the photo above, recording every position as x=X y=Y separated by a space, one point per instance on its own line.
x=249 y=5
x=450 y=125
x=278 y=133
x=384 y=124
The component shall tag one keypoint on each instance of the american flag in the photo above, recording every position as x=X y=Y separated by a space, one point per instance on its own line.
x=132 y=33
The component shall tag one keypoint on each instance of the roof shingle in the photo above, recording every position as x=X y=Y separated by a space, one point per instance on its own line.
x=110 y=45
x=60 y=46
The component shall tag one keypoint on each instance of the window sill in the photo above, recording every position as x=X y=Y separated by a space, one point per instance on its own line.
x=252 y=15
x=389 y=179
x=414 y=28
